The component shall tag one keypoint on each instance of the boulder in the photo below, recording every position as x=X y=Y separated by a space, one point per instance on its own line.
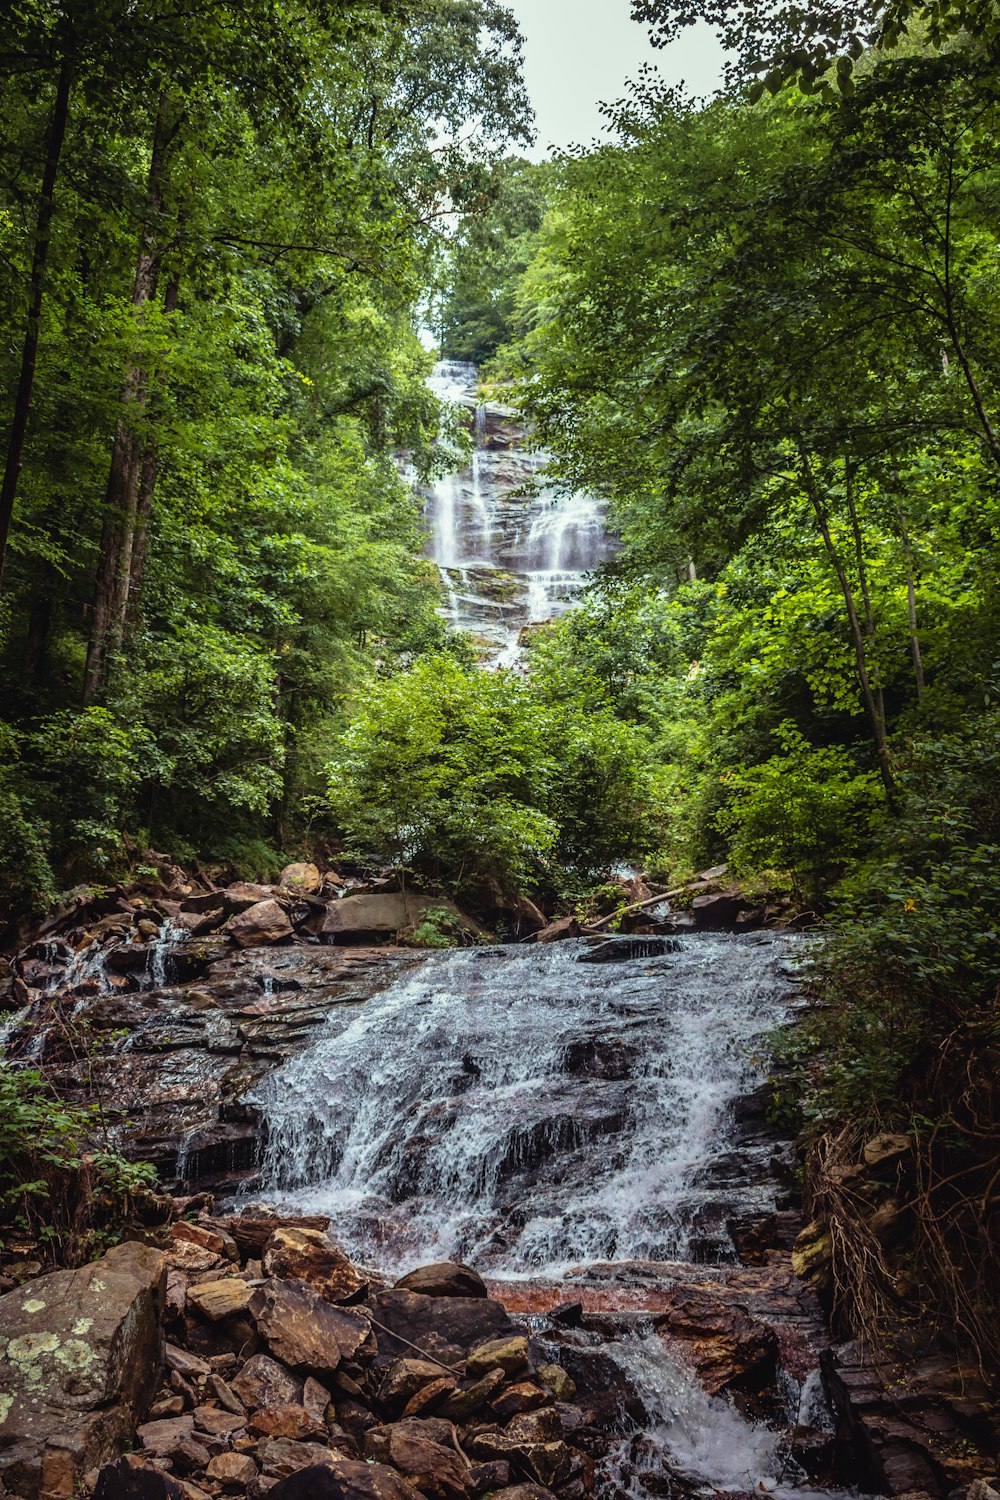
x=260 y=925
x=730 y=1350
x=719 y=910
x=374 y=918
x=263 y=1382
x=82 y=1359
x=303 y=1330
x=556 y=932
x=430 y=1467
x=885 y=1152
x=446 y=1279
x=446 y=1327
x=234 y=1471
x=301 y=877
x=310 y=1255
x=403 y=1379
x=344 y=1479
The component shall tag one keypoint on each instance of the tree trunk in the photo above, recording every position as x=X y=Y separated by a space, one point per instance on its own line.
x=114 y=569
x=875 y=720
x=36 y=293
x=144 y=503
x=911 y=603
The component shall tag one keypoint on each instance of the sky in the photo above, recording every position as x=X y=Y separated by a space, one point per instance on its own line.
x=579 y=52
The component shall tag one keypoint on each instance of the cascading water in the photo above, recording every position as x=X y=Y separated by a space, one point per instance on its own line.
x=525 y=1110
x=510 y=552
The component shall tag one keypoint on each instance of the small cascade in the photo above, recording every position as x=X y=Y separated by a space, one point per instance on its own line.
x=522 y=553
x=523 y=1111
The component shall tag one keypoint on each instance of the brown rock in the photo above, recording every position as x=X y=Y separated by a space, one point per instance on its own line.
x=884 y=1152
x=186 y=1256
x=136 y=1478
x=301 y=877
x=536 y=1426
x=344 y=1479
x=260 y=925
x=234 y=1471
x=282 y=1456
x=81 y=1363
x=557 y=932
x=172 y=1406
x=430 y=1467
x=443 y=1326
x=316 y=1399
x=252 y=1229
x=556 y=1380
x=491 y=1476
x=225 y=1395
x=523 y=1396
x=217 y=1423
x=363 y=919
x=187 y=1456
x=730 y=1349
x=263 y=1382
x=427 y=1398
x=471 y=1396
x=403 y=1379
x=218 y=1300
x=310 y=1255
x=301 y=1329
x=446 y=1279
x=288 y=1422
x=508 y=1354
x=197 y=1234
x=159 y=1438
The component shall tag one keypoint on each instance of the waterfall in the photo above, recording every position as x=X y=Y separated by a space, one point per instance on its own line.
x=526 y=1112
x=510 y=551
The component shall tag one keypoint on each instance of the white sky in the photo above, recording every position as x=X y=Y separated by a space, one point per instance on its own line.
x=580 y=52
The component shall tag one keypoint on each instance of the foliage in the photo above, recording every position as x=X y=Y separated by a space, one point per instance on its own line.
x=460 y=774
x=53 y=1184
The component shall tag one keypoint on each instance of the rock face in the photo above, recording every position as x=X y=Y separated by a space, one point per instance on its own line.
x=730 y=1349
x=81 y=1360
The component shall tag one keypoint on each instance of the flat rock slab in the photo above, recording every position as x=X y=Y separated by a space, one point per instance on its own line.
x=362 y=919
x=81 y=1358
x=304 y=1331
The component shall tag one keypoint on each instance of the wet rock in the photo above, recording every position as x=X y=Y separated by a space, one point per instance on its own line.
x=812 y=1256
x=626 y=949
x=310 y=1255
x=217 y=1300
x=301 y=877
x=811 y=1450
x=447 y=1279
x=264 y=1382
x=435 y=1323
x=260 y=925
x=542 y=1426
x=303 y=1330
x=549 y=1463
x=430 y=1467
x=730 y=1350
x=555 y=1379
x=81 y=1364
x=523 y=1396
x=344 y=1479
x=509 y=1355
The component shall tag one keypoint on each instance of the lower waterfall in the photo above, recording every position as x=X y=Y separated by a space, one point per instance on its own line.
x=526 y=1111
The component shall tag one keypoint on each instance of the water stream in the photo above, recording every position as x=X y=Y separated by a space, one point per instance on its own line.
x=510 y=551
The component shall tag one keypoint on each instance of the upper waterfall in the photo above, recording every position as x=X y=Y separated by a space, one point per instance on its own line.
x=507 y=558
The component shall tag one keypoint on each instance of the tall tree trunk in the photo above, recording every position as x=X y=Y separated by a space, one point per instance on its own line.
x=36 y=294
x=859 y=553
x=875 y=720
x=911 y=602
x=144 y=503
x=114 y=569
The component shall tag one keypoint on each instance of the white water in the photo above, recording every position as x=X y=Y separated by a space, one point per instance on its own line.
x=506 y=559
x=524 y=1111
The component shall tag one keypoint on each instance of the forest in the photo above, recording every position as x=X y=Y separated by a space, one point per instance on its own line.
x=764 y=329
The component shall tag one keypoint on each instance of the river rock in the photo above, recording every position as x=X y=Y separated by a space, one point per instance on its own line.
x=260 y=925
x=310 y=1255
x=509 y=1355
x=340 y=1478
x=303 y=1330
x=730 y=1349
x=82 y=1359
x=431 y=1324
x=430 y=1467
x=372 y=919
x=447 y=1279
